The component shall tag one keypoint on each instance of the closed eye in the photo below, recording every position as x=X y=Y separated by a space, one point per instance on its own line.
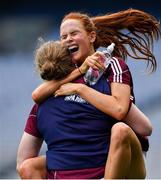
x=63 y=37
x=74 y=33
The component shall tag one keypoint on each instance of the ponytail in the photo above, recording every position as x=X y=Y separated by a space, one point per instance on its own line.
x=132 y=31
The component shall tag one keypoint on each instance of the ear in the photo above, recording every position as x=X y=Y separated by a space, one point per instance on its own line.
x=92 y=36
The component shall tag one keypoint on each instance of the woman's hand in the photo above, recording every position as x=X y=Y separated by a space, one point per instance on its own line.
x=68 y=89
x=49 y=87
x=95 y=61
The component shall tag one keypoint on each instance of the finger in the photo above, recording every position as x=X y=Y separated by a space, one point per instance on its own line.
x=95 y=65
x=92 y=64
x=101 y=56
x=57 y=93
x=95 y=62
x=98 y=53
x=98 y=64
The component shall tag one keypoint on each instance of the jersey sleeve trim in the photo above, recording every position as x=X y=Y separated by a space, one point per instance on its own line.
x=118 y=72
x=31 y=124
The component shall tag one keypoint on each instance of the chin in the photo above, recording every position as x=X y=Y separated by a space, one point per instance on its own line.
x=75 y=59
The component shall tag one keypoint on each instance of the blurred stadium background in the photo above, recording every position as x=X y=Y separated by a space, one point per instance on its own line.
x=21 y=23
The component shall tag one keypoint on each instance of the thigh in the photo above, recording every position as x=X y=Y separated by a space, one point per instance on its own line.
x=137 y=167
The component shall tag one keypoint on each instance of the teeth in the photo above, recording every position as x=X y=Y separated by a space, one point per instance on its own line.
x=73 y=49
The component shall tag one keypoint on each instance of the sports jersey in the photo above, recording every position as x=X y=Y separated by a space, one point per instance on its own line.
x=119 y=72
x=77 y=134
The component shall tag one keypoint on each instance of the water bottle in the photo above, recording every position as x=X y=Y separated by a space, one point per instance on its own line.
x=92 y=76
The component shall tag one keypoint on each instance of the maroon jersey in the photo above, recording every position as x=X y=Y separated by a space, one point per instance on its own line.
x=119 y=72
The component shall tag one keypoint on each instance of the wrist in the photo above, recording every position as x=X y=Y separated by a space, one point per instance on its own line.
x=80 y=88
x=80 y=71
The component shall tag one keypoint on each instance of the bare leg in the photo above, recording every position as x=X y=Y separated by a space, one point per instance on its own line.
x=33 y=168
x=125 y=159
x=138 y=121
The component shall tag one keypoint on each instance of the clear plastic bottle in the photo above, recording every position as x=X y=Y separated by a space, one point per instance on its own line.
x=92 y=76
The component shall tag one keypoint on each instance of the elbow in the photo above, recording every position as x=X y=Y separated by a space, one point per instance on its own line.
x=148 y=130
x=18 y=164
x=25 y=169
x=35 y=97
x=19 y=169
x=120 y=113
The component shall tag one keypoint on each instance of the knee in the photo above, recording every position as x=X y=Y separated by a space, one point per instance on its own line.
x=25 y=169
x=120 y=134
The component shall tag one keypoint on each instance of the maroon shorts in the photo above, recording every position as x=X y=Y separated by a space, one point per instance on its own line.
x=92 y=173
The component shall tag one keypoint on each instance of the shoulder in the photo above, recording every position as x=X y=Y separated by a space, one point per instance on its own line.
x=118 y=65
x=118 y=71
x=31 y=124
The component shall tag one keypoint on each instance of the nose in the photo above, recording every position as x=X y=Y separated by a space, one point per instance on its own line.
x=69 y=38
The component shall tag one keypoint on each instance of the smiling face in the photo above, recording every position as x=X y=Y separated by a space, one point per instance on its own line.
x=79 y=42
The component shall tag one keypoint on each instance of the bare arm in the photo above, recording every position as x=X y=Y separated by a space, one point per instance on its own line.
x=115 y=105
x=138 y=121
x=48 y=88
x=29 y=147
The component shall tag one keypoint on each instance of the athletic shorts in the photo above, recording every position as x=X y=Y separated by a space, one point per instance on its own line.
x=92 y=173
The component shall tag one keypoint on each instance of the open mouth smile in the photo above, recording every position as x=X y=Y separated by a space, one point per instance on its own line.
x=73 y=49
